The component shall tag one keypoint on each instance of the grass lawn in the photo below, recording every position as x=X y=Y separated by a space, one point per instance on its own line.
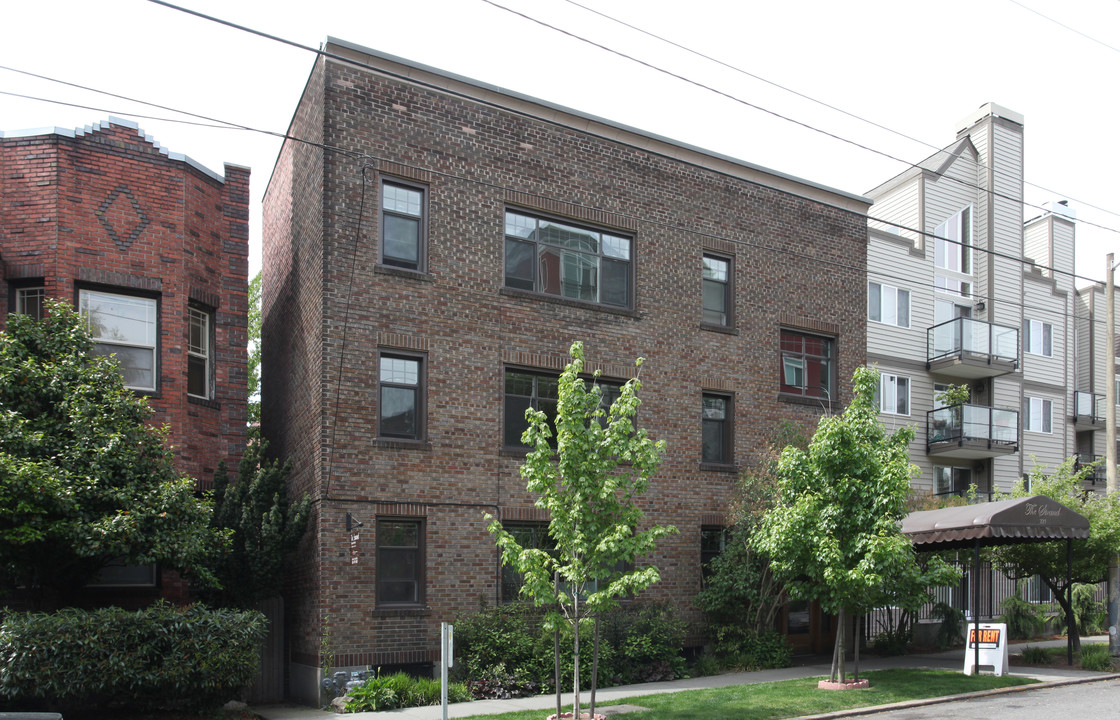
x=792 y=698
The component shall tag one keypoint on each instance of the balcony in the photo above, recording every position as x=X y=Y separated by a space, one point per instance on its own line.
x=1088 y=411
x=967 y=349
x=971 y=432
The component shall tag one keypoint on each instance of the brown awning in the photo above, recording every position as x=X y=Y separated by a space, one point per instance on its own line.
x=1033 y=519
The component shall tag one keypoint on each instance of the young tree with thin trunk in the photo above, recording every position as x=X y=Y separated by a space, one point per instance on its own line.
x=588 y=469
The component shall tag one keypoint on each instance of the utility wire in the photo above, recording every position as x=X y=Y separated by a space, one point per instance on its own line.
x=1067 y=27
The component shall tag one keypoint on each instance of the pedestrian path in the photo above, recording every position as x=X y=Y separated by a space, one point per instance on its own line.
x=814 y=667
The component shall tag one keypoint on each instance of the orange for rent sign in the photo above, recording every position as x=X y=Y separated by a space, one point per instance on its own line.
x=987 y=636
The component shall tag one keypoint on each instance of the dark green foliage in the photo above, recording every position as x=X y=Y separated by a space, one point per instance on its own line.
x=951 y=632
x=1036 y=655
x=264 y=526
x=253 y=408
x=509 y=649
x=83 y=478
x=744 y=648
x=896 y=640
x=111 y=659
x=1096 y=657
x=1092 y=616
x=1022 y=618
x=399 y=690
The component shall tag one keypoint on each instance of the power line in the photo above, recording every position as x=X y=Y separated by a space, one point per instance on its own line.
x=1067 y=27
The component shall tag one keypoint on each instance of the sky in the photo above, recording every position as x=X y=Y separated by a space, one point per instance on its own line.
x=842 y=94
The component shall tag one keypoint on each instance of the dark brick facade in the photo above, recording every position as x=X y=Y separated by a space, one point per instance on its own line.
x=799 y=251
x=106 y=209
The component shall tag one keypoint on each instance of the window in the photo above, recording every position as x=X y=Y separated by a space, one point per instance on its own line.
x=531 y=536
x=718 y=291
x=403 y=225
x=1038 y=338
x=400 y=561
x=952 y=286
x=526 y=390
x=951 y=480
x=716 y=417
x=556 y=259
x=124 y=326
x=199 y=349
x=939 y=389
x=888 y=304
x=1038 y=412
x=806 y=365
x=894 y=394
x=713 y=540
x=401 y=397
x=29 y=301
x=119 y=574
x=950 y=246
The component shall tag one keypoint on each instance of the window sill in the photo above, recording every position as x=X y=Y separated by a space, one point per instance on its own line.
x=193 y=400
x=402 y=444
x=570 y=302
x=514 y=452
x=725 y=329
x=719 y=467
x=402 y=272
x=389 y=611
x=819 y=403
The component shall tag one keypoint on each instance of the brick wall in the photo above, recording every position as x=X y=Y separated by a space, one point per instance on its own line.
x=799 y=263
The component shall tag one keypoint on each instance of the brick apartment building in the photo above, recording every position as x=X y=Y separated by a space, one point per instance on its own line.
x=431 y=251
x=154 y=248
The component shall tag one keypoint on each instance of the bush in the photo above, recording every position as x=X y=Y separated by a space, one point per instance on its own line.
x=498 y=683
x=743 y=648
x=1035 y=655
x=1092 y=617
x=1022 y=618
x=163 y=656
x=951 y=632
x=399 y=690
x=1096 y=657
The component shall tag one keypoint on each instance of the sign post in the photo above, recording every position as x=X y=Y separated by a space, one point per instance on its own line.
x=989 y=642
x=446 y=660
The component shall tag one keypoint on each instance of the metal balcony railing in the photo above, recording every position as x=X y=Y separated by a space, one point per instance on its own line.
x=1088 y=408
x=974 y=339
x=973 y=425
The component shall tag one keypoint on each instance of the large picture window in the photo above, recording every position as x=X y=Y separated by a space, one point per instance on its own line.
x=554 y=258
x=403 y=225
x=807 y=365
x=400 y=561
x=124 y=326
x=199 y=353
x=401 y=407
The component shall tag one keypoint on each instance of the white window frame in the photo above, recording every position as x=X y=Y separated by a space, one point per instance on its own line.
x=1038 y=338
x=1040 y=415
x=204 y=352
x=23 y=294
x=889 y=396
x=891 y=300
x=955 y=256
x=148 y=344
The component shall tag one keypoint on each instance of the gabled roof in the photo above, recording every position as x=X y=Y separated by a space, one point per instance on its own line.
x=937 y=163
x=1033 y=519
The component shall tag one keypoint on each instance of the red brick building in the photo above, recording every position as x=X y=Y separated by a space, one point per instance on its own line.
x=153 y=247
x=432 y=246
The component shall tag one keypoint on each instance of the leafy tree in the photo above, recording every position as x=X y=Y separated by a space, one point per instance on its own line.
x=263 y=526
x=1090 y=557
x=84 y=478
x=588 y=477
x=254 y=369
x=834 y=534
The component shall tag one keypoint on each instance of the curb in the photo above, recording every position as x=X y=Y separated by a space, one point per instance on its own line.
x=872 y=709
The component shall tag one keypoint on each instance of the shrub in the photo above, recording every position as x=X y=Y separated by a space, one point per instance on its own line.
x=399 y=690
x=1096 y=657
x=1035 y=655
x=951 y=631
x=1022 y=618
x=498 y=683
x=743 y=648
x=1091 y=615
x=163 y=656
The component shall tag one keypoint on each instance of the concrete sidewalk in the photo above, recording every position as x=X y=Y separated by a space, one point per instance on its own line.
x=812 y=667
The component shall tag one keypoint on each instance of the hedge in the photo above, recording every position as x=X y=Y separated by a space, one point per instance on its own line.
x=191 y=658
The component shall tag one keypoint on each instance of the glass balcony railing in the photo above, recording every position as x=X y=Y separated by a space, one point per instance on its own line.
x=973 y=425
x=1088 y=408
x=965 y=337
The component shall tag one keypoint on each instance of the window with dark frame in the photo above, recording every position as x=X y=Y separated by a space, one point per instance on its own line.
x=403 y=225
x=807 y=364
x=126 y=327
x=400 y=561
x=718 y=290
x=531 y=536
x=539 y=390
x=716 y=422
x=554 y=258
x=401 y=407
x=200 y=353
x=29 y=301
x=713 y=540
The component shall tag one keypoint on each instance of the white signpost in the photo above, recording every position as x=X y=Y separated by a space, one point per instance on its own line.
x=992 y=643
x=446 y=660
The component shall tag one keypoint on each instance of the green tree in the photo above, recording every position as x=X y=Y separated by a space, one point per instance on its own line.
x=835 y=534
x=1091 y=557
x=588 y=476
x=254 y=369
x=264 y=526
x=84 y=478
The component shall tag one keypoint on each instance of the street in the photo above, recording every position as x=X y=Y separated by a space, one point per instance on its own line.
x=1093 y=699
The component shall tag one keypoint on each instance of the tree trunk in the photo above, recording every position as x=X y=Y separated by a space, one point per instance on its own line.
x=594 y=670
x=840 y=650
x=575 y=655
x=1063 y=602
x=855 y=647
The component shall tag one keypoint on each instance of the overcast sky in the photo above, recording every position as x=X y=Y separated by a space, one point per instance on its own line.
x=913 y=69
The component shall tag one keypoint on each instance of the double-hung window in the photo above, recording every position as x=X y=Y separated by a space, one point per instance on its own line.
x=199 y=353
x=523 y=390
x=894 y=394
x=403 y=225
x=125 y=327
x=1039 y=413
x=716 y=429
x=554 y=258
x=400 y=561
x=888 y=304
x=718 y=290
x=29 y=301
x=806 y=365
x=401 y=412
x=1038 y=338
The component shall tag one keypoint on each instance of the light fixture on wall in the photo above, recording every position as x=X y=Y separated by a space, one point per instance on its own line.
x=979 y=306
x=351 y=523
